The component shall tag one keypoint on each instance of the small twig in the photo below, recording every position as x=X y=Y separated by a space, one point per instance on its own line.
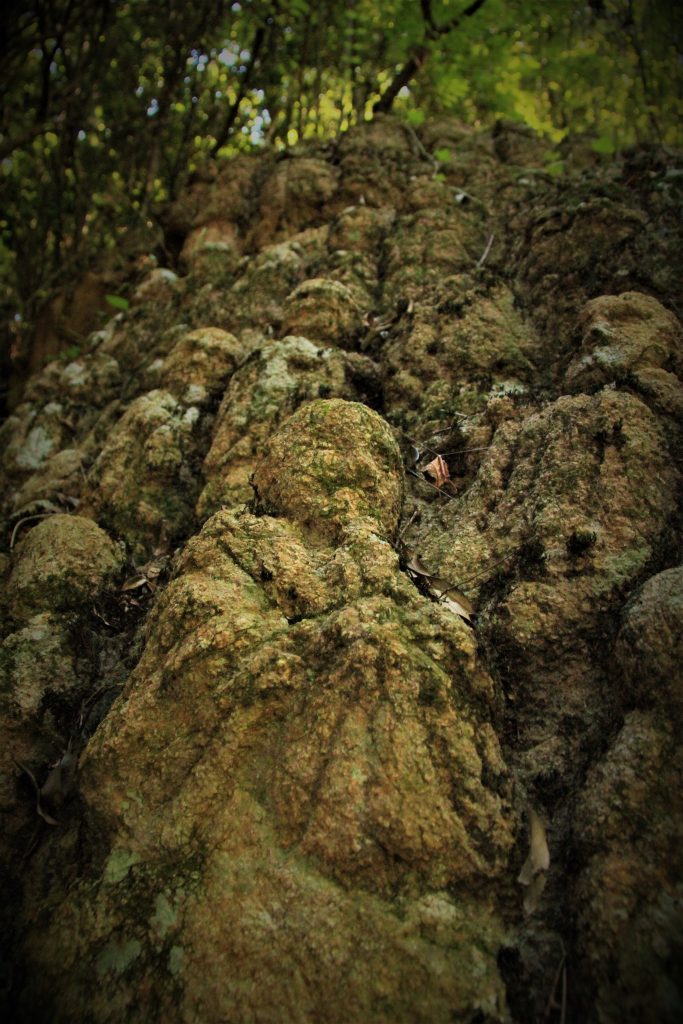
x=39 y=809
x=461 y=584
x=93 y=696
x=560 y=978
x=406 y=525
x=417 y=145
x=419 y=444
x=492 y=565
x=482 y=258
x=26 y=519
x=465 y=451
x=424 y=480
x=433 y=451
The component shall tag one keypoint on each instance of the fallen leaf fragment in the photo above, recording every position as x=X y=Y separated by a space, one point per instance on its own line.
x=134 y=583
x=453 y=599
x=39 y=809
x=459 y=605
x=439 y=470
x=539 y=854
x=533 y=873
x=417 y=567
x=442 y=590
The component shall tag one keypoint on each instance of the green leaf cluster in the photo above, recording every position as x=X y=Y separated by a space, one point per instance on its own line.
x=107 y=108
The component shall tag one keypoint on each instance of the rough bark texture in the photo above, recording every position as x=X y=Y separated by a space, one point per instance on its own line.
x=277 y=711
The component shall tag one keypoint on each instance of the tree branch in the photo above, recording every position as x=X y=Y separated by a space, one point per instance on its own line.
x=419 y=57
x=455 y=22
x=231 y=116
x=427 y=15
x=407 y=72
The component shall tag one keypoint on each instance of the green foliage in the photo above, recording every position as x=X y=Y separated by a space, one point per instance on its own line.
x=117 y=301
x=69 y=353
x=107 y=108
x=604 y=145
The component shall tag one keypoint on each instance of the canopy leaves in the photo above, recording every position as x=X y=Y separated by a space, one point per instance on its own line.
x=106 y=107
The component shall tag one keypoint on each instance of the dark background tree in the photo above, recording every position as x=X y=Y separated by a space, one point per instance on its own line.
x=106 y=108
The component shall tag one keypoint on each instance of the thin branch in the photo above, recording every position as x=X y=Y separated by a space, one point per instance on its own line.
x=487 y=250
x=421 y=53
x=407 y=72
x=635 y=42
x=427 y=15
x=231 y=116
x=455 y=22
x=26 y=519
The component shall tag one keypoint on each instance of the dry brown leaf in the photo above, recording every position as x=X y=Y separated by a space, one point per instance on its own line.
x=447 y=595
x=416 y=566
x=443 y=589
x=39 y=809
x=439 y=470
x=134 y=583
x=454 y=604
x=453 y=599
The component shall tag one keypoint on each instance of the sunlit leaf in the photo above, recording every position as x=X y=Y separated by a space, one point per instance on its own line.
x=604 y=145
x=117 y=301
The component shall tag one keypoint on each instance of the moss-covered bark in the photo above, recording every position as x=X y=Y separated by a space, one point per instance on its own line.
x=343 y=683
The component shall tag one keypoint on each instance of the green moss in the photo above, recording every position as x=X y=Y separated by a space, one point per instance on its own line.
x=624 y=566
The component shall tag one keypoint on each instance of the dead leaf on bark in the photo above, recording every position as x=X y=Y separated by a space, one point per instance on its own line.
x=134 y=583
x=39 y=809
x=417 y=567
x=459 y=605
x=533 y=874
x=438 y=469
x=442 y=590
x=539 y=854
